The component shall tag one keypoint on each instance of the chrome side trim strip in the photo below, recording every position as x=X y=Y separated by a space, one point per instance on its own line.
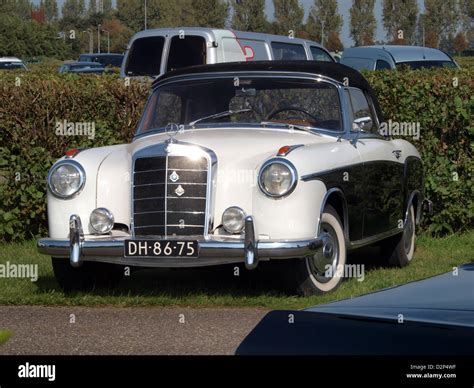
x=373 y=239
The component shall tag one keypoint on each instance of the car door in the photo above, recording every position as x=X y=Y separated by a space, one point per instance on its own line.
x=382 y=166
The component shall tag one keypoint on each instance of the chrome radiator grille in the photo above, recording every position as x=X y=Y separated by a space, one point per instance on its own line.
x=169 y=195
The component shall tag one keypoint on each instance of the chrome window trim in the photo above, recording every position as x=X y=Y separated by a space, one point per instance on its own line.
x=160 y=150
x=293 y=171
x=82 y=175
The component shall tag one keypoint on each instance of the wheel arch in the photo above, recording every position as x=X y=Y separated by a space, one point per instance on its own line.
x=413 y=181
x=336 y=198
x=416 y=200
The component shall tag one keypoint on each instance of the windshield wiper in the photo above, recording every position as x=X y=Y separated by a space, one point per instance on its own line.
x=219 y=115
x=289 y=126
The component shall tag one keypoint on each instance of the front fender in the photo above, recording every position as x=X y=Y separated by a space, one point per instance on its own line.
x=292 y=217
x=59 y=210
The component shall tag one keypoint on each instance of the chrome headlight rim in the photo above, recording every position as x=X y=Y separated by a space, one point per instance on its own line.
x=242 y=212
x=110 y=217
x=293 y=172
x=82 y=177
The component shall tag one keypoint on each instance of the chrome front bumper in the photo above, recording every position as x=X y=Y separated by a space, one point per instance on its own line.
x=212 y=251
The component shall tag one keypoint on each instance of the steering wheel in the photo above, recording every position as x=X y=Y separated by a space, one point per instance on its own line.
x=290 y=108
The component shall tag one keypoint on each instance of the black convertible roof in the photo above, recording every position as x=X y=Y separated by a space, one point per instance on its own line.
x=333 y=70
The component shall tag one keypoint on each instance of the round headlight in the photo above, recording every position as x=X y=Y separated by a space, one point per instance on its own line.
x=233 y=219
x=277 y=178
x=101 y=221
x=66 y=179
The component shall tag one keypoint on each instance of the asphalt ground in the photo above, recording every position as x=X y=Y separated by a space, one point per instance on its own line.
x=118 y=331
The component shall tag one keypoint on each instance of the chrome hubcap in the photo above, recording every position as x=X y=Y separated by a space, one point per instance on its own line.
x=328 y=257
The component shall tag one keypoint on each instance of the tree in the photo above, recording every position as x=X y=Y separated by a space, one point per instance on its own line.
x=288 y=17
x=42 y=38
x=72 y=10
x=99 y=6
x=174 y=13
x=160 y=13
x=50 y=10
x=400 y=16
x=460 y=43
x=17 y=8
x=334 y=42
x=249 y=15
x=363 y=23
x=210 y=13
x=440 y=19
x=324 y=19
x=119 y=34
x=132 y=13
x=466 y=8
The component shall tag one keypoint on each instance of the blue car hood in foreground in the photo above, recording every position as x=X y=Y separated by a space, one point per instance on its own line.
x=430 y=317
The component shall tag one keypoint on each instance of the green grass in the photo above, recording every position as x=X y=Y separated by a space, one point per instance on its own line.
x=5 y=336
x=218 y=287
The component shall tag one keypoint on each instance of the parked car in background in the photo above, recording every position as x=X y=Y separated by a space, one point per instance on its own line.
x=239 y=163
x=395 y=56
x=154 y=52
x=12 y=63
x=82 y=67
x=106 y=60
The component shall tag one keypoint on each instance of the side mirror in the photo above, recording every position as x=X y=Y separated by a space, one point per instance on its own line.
x=361 y=124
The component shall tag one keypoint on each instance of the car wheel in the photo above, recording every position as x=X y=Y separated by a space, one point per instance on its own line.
x=88 y=276
x=399 y=250
x=322 y=272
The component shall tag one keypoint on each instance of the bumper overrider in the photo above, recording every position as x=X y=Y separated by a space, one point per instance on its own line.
x=213 y=250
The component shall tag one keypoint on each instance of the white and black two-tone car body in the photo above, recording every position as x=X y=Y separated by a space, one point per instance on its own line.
x=239 y=163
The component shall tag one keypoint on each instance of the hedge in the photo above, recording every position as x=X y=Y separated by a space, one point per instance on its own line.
x=28 y=143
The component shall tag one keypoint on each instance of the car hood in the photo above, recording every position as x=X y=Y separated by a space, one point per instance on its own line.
x=443 y=299
x=434 y=316
x=233 y=144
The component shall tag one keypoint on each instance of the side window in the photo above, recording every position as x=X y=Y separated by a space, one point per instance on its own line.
x=288 y=51
x=381 y=65
x=187 y=51
x=320 y=55
x=362 y=114
x=358 y=63
x=255 y=50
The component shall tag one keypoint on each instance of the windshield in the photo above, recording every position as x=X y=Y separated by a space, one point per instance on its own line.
x=244 y=101
x=426 y=64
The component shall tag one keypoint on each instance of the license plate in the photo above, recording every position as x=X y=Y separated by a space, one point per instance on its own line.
x=161 y=248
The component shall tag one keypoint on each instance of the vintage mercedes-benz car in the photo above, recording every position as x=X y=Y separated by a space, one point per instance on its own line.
x=239 y=163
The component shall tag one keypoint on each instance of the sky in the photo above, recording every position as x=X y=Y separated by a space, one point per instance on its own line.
x=343 y=6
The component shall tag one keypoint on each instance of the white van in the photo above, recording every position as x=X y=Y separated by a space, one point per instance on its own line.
x=154 y=52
